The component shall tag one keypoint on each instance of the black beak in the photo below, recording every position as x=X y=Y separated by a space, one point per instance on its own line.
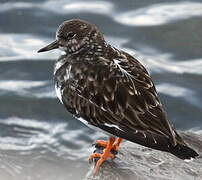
x=53 y=45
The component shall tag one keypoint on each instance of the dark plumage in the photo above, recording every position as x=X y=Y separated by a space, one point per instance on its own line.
x=109 y=89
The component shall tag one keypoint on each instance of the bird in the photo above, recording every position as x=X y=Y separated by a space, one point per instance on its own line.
x=110 y=90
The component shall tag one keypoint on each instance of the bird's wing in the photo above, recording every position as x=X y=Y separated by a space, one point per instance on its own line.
x=120 y=95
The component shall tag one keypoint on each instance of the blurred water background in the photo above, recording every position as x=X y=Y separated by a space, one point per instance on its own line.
x=39 y=140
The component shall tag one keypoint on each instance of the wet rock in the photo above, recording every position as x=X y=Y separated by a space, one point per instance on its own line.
x=135 y=162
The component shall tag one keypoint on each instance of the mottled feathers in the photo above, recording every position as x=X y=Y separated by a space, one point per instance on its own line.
x=111 y=90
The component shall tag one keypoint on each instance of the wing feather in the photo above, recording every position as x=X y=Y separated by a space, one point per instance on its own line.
x=122 y=94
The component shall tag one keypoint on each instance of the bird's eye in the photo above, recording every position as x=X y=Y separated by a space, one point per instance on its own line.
x=70 y=35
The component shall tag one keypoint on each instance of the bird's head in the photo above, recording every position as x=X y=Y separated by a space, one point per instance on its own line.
x=73 y=35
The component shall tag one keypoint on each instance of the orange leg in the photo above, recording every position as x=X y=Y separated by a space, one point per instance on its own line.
x=110 y=145
x=116 y=144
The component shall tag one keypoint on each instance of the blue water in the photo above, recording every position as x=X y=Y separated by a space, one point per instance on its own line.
x=38 y=138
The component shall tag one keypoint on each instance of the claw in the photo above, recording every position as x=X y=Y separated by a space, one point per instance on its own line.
x=93 y=156
x=110 y=150
x=102 y=158
x=101 y=143
x=115 y=147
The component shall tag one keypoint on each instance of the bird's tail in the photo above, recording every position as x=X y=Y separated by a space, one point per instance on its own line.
x=183 y=152
x=156 y=141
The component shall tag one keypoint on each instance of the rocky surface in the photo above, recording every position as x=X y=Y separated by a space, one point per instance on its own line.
x=135 y=162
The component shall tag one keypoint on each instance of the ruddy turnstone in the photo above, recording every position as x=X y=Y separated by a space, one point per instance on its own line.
x=109 y=89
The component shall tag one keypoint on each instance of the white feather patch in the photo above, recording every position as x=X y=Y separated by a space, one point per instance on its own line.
x=83 y=121
x=127 y=74
x=68 y=73
x=58 y=92
x=94 y=127
x=112 y=125
x=58 y=65
x=189 y=160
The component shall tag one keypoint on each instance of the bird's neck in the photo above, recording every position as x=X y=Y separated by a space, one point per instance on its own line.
x=88 y=53
x=90 y=50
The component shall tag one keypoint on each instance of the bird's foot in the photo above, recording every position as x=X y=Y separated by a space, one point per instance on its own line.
x=115 y=146
x=102 y=158
x=108 y=152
